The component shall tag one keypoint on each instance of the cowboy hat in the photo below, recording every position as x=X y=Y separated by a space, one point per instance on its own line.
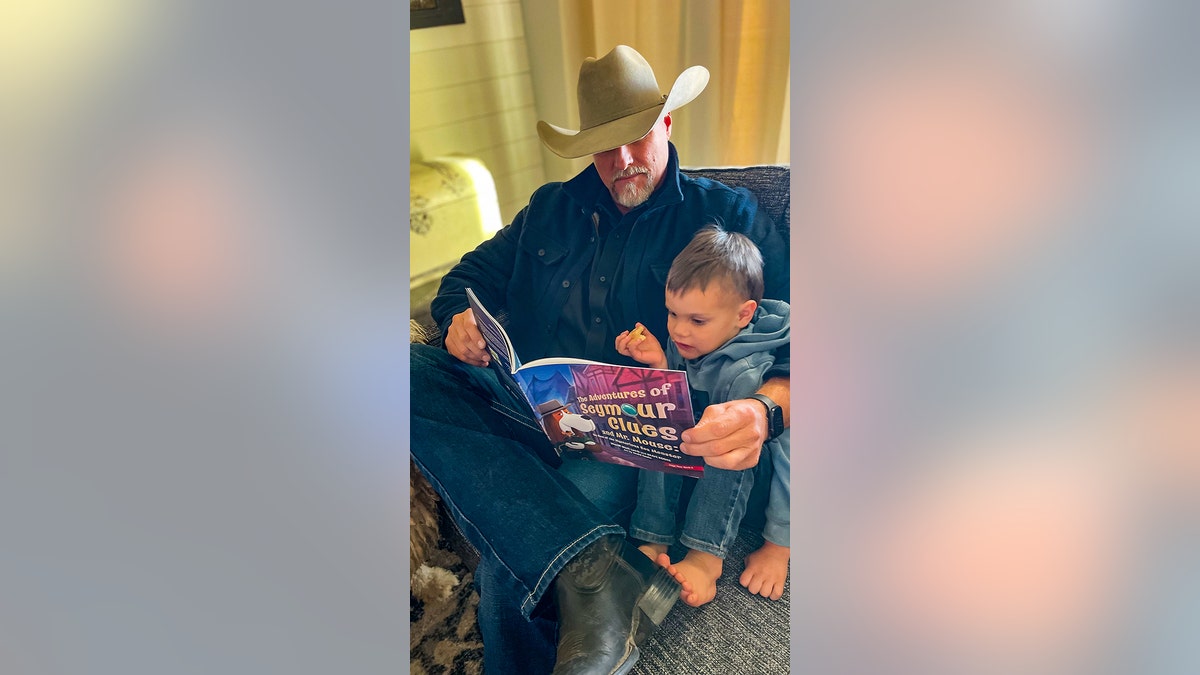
x=619 y=103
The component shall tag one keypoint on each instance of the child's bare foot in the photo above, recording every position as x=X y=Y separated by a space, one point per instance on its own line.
x=652 y=551
x=766 y=570
x=697 y=573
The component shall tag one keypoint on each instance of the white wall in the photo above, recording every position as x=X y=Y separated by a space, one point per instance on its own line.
x=471 y=94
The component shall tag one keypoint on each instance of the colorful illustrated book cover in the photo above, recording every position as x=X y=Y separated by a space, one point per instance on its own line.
x=625 y=415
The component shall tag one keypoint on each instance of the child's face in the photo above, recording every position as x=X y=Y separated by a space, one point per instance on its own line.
x=701 y=321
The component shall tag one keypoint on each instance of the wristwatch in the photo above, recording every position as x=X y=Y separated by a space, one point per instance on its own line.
x=774 y=416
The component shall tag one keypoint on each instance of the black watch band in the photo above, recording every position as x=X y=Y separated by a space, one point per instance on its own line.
x=774 y=416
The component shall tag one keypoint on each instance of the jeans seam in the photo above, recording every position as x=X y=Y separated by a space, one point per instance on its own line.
x=652 y=537
x=703 y=546
x=530 y=600
x=639 y=521
x=512 y=414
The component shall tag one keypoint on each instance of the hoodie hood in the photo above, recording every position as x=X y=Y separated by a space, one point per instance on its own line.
x=769 y=329
x=741 y=362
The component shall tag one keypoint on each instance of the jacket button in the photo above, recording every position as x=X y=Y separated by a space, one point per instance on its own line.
x=603 y=279
x=566 y=284
x=541 y=251
x=596 y=319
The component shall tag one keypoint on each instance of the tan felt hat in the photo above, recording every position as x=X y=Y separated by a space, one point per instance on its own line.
x=619 y=103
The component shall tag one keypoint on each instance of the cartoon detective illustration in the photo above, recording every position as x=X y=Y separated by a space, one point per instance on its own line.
x=565 y=427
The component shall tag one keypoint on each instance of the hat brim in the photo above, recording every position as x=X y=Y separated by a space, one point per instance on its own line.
x=625 y=130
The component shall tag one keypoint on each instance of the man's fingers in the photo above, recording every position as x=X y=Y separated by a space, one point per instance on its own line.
x=727 y=437
x=716 y=423
x=465 y=352
x=724 y=453
x=712 y=448
x=473 y=347
x=464 y=340
x=706 y=431
x=470 y=331
x=738 y=460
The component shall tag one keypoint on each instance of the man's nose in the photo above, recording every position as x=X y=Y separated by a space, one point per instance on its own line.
x=624 y=156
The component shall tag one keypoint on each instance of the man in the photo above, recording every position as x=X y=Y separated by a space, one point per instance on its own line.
x=583 y=260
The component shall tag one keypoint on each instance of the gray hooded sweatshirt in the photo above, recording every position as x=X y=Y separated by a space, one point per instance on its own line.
x=735 y=369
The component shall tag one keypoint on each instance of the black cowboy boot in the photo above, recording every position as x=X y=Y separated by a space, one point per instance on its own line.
x=610 y=598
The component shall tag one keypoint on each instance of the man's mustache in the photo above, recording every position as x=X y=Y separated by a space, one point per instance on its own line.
x=631 y=171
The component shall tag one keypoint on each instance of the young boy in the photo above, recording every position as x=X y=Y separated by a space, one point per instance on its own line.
x=723 y=333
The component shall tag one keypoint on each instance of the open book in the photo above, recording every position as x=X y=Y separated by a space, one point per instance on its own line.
x=619 y=414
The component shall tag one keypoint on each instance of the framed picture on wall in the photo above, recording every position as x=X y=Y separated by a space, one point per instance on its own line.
x=429 y=13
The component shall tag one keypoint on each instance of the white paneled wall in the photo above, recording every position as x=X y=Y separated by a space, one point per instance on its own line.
x=471 y=94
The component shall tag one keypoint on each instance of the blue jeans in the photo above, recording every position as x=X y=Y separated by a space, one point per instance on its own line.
x=488 y=460
x=778 y=527
x=714 y=512
x=611 y=488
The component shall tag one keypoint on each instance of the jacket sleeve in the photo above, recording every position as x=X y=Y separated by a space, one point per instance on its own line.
x=486 y=270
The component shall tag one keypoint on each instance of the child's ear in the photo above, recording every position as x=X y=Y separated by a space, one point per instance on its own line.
x=746 y=312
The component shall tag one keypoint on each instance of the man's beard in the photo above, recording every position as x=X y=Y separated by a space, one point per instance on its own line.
x=631 y=194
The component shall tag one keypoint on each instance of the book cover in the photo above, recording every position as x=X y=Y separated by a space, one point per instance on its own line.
x=627 y=415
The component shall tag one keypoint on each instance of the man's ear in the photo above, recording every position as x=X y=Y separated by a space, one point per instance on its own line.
x=667 y=122
x=746 y=312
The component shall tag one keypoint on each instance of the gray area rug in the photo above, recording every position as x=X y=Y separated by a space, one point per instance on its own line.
x=737 y=633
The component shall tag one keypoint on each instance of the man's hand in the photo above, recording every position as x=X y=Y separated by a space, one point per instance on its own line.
x=642 y=347
x=728 y=435
x=464 y=340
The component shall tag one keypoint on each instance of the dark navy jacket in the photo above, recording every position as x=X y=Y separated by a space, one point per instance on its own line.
x=524 y=274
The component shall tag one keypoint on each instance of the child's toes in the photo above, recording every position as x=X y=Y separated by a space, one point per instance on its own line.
x=751 y=581
x=746 y=578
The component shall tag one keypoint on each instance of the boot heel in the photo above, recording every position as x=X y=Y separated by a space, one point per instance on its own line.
x=660 y=596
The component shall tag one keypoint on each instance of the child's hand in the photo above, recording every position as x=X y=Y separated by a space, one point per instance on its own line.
x=642 y=347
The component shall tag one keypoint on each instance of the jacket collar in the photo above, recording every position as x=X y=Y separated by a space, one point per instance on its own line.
x=588 y=190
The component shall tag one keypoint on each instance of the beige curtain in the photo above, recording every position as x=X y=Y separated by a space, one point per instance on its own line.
x=742 y=116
